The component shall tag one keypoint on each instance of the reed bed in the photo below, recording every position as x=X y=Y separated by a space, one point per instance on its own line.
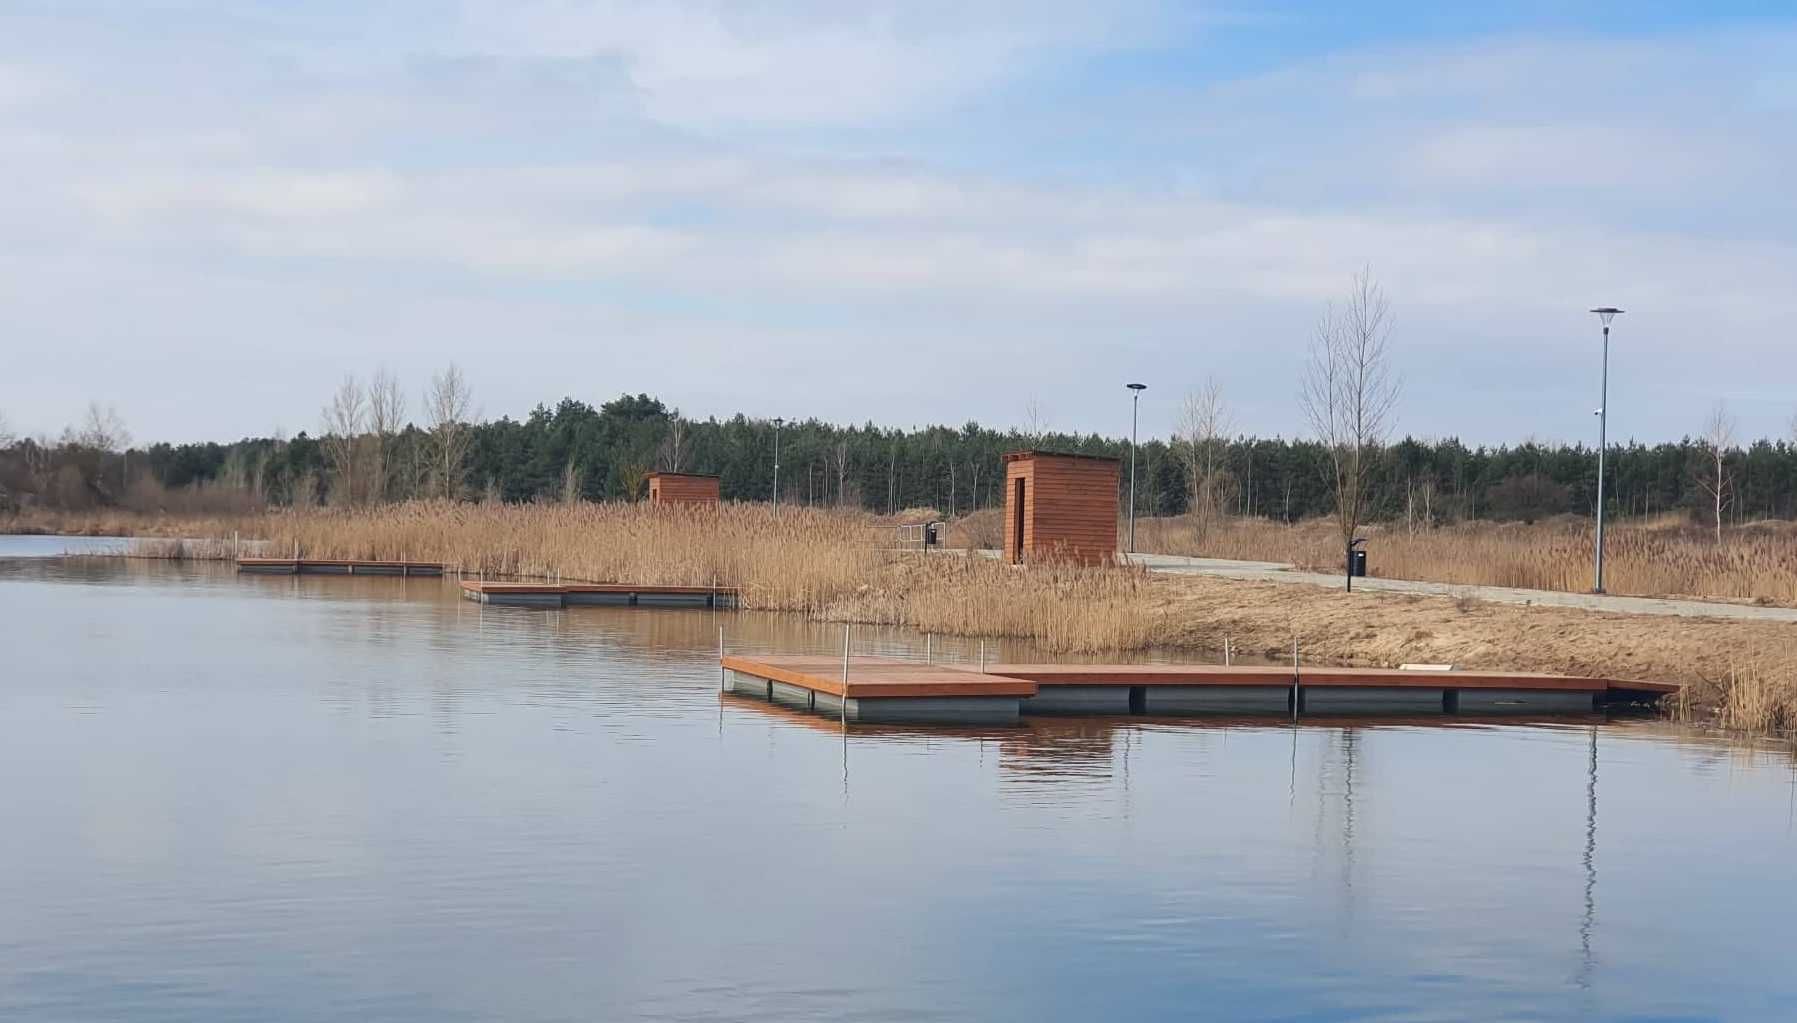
x=841 y=566
x=830 y=564
x=1756 y=562
x=158 y=548
x=1757 y=703
x=121 y=522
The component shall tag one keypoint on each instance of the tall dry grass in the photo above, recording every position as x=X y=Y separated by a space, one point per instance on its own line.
x=123 y=522
x=831 y=564
x=800 y=561
x=1757 y=702
x=842 y=566
x=1665 y=557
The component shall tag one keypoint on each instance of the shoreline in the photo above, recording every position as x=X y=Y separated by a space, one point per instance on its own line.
x=1740 y=675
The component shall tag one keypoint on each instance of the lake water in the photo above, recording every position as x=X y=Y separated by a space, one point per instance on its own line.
x=251 y=798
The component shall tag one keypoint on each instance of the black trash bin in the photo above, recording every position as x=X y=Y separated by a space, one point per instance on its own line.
x=1359 y=563
x=931 y=535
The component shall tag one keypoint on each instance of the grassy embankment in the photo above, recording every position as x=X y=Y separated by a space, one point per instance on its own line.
x=838 y=566
x=1665 y=556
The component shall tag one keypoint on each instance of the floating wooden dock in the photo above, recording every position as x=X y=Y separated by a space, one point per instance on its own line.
x=884 y=690
x=598 y=594
x=316 y=566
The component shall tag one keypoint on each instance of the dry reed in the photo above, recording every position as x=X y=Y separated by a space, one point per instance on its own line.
x=1668 y=557
x=842 y=566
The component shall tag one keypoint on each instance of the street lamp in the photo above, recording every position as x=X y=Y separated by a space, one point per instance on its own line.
x=1606 y=314
x=778 y=422
x=1135 y=402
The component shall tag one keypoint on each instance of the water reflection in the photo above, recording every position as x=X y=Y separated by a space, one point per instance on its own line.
x=317 y=797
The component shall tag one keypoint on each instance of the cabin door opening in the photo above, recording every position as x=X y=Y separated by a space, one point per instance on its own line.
x=1017 y=519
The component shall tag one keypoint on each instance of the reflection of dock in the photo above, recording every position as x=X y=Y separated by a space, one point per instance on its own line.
x=320 y=566
x=885 y=690
x=596 y=594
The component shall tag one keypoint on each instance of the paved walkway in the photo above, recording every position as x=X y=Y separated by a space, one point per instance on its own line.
x=1268 y=571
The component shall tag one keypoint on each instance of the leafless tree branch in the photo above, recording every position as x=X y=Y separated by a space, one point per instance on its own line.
x=1349 y=394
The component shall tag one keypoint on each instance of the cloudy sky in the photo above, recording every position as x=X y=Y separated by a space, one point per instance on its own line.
x=908 y=212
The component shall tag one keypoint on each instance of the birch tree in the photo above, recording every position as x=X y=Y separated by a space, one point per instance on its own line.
x=448 y=409
x=672 y=454
x=386 y=414
x=1714 y=479
x=344 y=420
x=1349 y=395
x=1203 y=442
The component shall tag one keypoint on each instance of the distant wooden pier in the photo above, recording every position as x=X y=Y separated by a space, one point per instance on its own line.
x=317 y=566
x=885 y=690
x=596 y=594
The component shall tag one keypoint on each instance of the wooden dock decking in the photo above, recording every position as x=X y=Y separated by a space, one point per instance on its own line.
x=515 y=594
x=886 y=690
x=328 y=566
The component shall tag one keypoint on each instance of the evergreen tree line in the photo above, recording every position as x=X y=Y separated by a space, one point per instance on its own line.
x=575 y=450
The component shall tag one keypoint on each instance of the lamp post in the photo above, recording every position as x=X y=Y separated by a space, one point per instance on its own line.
x=1606 y=314
x=1135 y=402
x=778 y=422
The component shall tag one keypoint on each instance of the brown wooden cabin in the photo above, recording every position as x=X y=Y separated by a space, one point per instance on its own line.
x=682 y=488
x=1060 y=506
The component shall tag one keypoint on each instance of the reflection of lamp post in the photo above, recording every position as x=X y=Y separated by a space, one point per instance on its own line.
x=1606 y=314
x=778 y=422
x=1135 y=402
x=1587 y=923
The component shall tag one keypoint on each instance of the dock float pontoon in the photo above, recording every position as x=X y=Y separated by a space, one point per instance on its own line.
x=316 y=566
x=584 y=594
x=892 y=691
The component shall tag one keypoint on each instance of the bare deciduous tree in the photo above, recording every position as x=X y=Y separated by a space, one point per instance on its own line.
x=386 y=414
x=1419 y=505
x=344 y=421
x=573 y=482
x=448 y=411
x=838 y=458
x=1035 y=422
x=1715 y=480
x=1349 y=395
x=672 y=453
x=1203 y=445
x=449 y=414
x=102 y=429
x=632 y=477
x=6 y=436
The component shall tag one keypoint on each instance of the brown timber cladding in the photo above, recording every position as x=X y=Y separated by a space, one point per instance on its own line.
x=682 y=488
x=1068 y=507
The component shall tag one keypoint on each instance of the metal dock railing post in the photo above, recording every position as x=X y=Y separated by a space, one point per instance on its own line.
x=720 y=658
x=843 y=703
x=1297 y=683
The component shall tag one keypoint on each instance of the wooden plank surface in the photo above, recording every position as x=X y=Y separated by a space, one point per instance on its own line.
x=876 y=677
x=336 y=563
x=1281 y=675
x=486 y=586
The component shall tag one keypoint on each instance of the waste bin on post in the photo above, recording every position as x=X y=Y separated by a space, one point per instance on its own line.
x=1360 y=563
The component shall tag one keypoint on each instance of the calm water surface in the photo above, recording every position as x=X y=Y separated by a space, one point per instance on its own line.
x=237 y=798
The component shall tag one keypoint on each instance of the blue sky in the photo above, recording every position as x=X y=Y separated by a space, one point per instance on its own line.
x=908 y=213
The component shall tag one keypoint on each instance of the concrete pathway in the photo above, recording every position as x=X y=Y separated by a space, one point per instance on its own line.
x=1273 y=572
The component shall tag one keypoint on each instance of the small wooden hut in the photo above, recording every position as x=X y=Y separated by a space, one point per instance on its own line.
x=682 y=488
x=1060 y=506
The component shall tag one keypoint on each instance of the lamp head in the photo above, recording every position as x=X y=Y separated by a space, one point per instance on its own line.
x=1606 y=313
x=1137 y=387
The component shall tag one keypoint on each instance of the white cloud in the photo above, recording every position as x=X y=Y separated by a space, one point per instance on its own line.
x=714 y=61
x=399 y=204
